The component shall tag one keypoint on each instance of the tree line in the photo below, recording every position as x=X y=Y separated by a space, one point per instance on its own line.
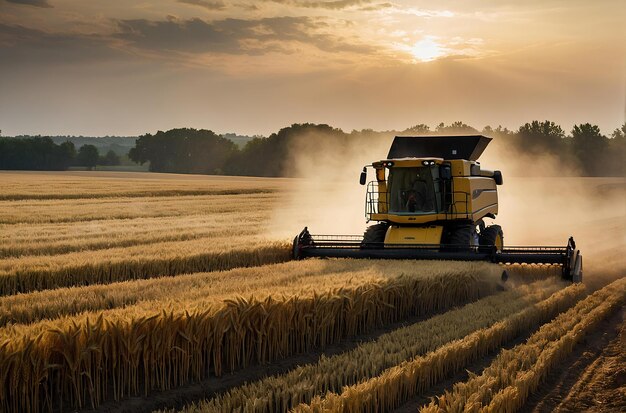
x=584 y=149
x=42 y=154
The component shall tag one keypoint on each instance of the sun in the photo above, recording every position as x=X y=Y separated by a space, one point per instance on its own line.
x=427 y=50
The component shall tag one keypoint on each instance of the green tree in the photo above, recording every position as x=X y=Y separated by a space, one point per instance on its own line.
x=540 y=137
x=184 y=151
x=616 y=152
x=619 y=133
x=276 y=155
x=420 y=129
x=590 y=148
x=455 y=128
x=110 y=159
x=35 y=153
x=88 y=156
x=66 y=153
x=499 y=131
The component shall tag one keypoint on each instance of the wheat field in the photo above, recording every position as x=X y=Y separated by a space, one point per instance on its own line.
x=119 y=286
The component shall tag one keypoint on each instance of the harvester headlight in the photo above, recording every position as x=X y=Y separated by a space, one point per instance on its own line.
x=428 y=163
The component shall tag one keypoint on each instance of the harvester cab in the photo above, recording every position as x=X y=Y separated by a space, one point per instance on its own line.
x=430 y=198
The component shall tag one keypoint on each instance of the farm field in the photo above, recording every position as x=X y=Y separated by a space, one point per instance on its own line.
x=161 y=292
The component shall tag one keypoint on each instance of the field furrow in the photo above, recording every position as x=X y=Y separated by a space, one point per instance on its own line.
x=397 y=384
x=48 y=239
x=76 y=185
x=505 y=385
x=202 y=290
x=49 y=211
x=368 y=360
x=33 y=273
x=85 y=361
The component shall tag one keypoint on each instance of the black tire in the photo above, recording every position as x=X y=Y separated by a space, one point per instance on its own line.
x=374 y=234
x=461 y=235
x=489 y=236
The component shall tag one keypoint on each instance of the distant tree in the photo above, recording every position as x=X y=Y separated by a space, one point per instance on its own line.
x=499 y=131
x=183 y=151
x=88 y=156
x=540 y=137
x=35 y=153
x=619 y=133
x=617 y=151
x=420 y=129
x=455 y=128
x=65 y=155
x=274 y=156
x=110 y=159
x=590 y=147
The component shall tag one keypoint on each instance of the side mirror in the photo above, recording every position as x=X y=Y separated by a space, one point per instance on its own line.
x=363 y=178
x=497 y=176
x=445 y=172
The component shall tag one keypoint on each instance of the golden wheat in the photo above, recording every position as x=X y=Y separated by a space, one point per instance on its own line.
x=505 y=385
x=73 y=185
x=18 y=275
x=47 y=211
x=402 y=382
x=47 y=239
x=294 y=277
x=108 y=357
x=283 y=392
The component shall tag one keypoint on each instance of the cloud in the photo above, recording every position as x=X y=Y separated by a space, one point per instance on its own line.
x=209 y=5
x=35 y=3
x=331 y=4
x=234 y=36
x=375 y=7
x=23 y=44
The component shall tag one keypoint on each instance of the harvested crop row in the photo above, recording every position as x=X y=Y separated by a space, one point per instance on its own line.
x=34 y=273
x=105 y=358
x=21 y=186
x=202 y=290
x=505 y=385
x=130 y=194
x=400 y=383
x=14 y=212
x=331 y=374
x=49 y=239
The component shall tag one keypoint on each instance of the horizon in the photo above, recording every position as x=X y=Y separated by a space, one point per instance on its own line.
x=123 y=68
x=567 y=131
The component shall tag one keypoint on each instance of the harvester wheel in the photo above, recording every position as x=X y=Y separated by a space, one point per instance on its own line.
x=461 y=235
x=492 y=236
x=374 y=234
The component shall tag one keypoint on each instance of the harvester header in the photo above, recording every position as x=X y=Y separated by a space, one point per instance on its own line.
x=431 y=199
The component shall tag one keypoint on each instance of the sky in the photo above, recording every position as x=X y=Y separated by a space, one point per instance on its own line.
x=125 y=67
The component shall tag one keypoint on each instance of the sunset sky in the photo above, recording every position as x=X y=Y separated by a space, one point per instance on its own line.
x=124 y=67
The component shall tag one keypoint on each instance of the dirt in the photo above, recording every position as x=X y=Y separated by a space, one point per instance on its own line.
x=593 y=378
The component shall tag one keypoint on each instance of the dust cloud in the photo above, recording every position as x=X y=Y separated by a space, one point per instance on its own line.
x=326 y=196
x=542 y=201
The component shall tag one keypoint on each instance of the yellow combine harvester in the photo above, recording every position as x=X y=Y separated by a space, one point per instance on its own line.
x=431 y=198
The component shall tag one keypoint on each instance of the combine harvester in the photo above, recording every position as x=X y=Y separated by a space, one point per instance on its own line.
x=430 y=199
